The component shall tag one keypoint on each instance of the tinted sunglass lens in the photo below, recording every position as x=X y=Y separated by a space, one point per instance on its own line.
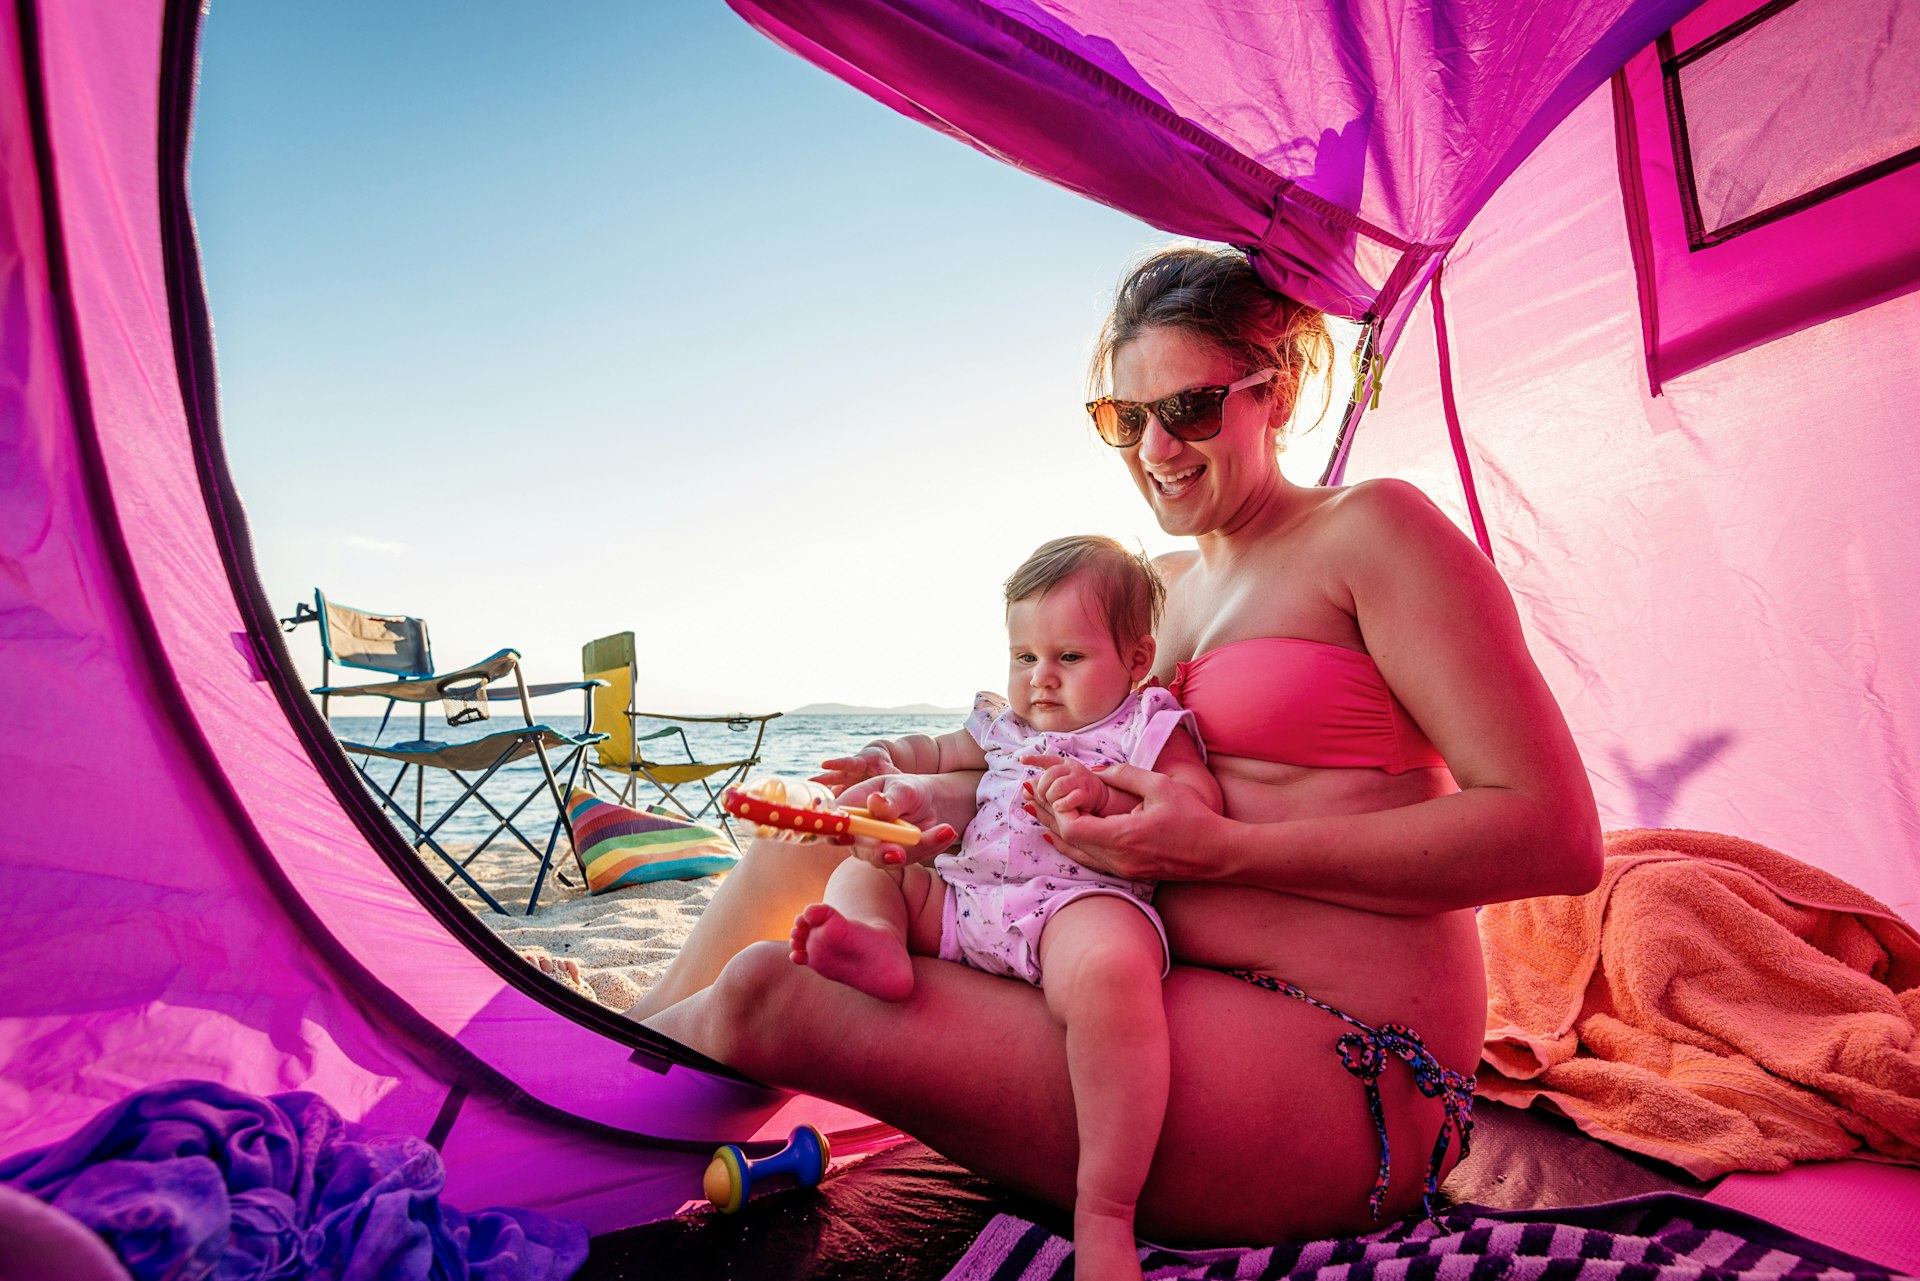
x=1192 y=415
x=1109 y=421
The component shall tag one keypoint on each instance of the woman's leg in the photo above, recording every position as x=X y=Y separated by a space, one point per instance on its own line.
x=1266 y=1134
x=1101 y=958
x=756 y=900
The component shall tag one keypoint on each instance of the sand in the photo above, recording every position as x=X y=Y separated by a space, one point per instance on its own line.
x=621 y=940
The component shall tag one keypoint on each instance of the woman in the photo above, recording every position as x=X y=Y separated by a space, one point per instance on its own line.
x=1389 y=757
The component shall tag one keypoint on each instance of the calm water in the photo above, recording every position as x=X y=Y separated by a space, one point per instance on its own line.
x=794 y=747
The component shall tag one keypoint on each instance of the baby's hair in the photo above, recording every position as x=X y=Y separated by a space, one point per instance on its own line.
x=1126 y=582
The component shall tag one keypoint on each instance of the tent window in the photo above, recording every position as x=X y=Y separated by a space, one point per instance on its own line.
x=1795 y=103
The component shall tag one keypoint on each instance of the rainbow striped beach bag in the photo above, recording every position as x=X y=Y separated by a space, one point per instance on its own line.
x=618 y=846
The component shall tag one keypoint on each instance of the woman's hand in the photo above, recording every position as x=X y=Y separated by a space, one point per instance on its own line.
x=842 y=772
x=1170 y=835
x=905 y=798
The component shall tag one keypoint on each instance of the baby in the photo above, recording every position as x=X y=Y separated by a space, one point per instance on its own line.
x=1080 y=614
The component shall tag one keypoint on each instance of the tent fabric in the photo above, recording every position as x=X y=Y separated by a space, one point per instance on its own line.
x=1714 y=579
x=1343 y=145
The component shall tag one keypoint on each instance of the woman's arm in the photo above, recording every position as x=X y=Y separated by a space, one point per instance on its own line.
x=1070 y=786
x=1442 y=628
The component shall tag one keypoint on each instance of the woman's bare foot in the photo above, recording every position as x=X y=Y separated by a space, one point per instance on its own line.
x=865 y=957
x=563 y=970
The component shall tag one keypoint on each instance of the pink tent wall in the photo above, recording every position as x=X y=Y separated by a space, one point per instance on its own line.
x=1718 y=581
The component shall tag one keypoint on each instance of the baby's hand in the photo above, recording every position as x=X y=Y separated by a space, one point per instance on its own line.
x=907 y=799
x=1068 y=787
x=843 y=772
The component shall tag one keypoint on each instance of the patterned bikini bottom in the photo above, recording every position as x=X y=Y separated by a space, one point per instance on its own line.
x=1364 y=1051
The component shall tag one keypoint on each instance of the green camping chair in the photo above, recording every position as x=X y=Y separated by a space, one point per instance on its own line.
x=396 y=644
x=651 y=748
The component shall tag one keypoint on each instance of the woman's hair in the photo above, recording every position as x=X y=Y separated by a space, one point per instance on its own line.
x=1215 y=295
x=1126 y=582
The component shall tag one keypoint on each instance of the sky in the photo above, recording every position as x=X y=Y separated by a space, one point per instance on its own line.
x=626 y=318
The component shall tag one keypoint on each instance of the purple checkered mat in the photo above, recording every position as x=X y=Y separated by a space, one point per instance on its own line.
x=1662 y=1236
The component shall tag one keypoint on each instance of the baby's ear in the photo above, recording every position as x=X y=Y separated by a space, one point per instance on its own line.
x=1140 y=661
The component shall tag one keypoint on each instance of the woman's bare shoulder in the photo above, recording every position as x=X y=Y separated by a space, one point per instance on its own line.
x=1173 y=566
x=1388 y=505
x=1392 y=525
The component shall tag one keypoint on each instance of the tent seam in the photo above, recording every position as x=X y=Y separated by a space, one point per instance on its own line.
x=1443 y=354
x=1633 y=199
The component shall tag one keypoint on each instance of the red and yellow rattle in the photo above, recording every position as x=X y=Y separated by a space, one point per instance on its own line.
x=800 y=810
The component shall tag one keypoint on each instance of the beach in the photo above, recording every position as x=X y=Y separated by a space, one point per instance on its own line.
x=621 y=941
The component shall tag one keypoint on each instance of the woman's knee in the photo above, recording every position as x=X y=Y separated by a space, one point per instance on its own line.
x=749 y=1008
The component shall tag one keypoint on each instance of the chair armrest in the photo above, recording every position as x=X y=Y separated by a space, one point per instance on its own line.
x=420 y=691
x=740 y=718
x=488 y=670
x=428 y=689
x=540 y=691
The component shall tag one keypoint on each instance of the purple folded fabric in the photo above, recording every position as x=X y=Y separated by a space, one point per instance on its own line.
x=190 y=1180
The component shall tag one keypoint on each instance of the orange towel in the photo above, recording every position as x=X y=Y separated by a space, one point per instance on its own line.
x=1714 y=1003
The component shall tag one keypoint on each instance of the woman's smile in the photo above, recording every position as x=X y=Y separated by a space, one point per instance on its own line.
x=1173 y=482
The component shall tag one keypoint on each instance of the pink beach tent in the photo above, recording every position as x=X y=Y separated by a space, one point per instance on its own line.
x=1641 y=277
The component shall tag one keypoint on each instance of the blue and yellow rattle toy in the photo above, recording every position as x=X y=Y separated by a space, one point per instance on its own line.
x=731 y=1177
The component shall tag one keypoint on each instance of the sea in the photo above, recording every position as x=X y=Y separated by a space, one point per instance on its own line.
x=794 y=746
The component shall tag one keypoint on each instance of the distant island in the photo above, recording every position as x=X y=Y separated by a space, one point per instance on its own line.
x=848 y=709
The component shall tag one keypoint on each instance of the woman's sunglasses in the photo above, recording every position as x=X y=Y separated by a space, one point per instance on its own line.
x=1193 y=414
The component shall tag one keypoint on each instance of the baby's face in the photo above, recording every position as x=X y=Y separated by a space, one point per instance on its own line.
x=1064 y=669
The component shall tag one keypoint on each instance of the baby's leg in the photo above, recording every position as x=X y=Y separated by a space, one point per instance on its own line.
x=1101 y=961
x=861 y=935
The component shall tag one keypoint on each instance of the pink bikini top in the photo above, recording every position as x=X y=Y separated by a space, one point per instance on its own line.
x=1299 y=702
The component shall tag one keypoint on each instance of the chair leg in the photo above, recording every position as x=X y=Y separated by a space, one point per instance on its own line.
x=505 y=821
x=668 y=797
x=563 y=821
x=473 y=789
x=423 y=836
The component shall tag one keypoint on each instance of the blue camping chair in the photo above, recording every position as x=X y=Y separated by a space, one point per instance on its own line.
x=397 y=645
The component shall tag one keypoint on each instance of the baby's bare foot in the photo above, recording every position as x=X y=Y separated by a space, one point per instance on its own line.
x=1104 y=1248
x=864 y=957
